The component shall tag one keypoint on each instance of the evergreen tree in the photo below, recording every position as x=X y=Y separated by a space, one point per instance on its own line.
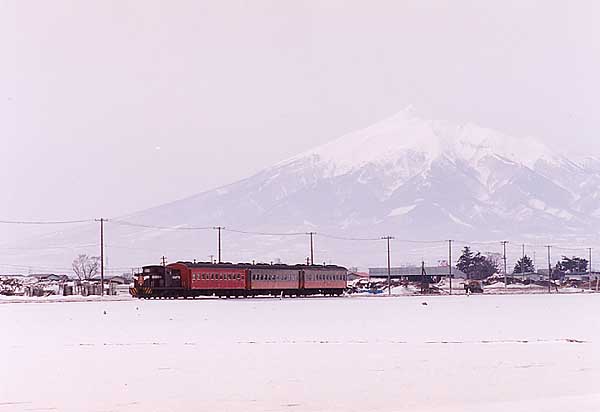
x=466 y=262
x=572 y=265
x=524 y=265
x=485 y=266
x=476 y=266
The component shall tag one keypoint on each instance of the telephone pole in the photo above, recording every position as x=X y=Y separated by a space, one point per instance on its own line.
x=164 y=263
x=219 y=228
x=389 y=266
x=523 y=263
x=549 y=270
x=312 y=252
x=101 y=220
x=590 y=270
x=450 y=264
x=504 y=258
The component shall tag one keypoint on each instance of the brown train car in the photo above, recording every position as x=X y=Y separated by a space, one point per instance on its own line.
x=275 y=279
x=327 y=280
x=186 y=279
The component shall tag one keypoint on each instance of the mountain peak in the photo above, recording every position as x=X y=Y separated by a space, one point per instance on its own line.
x=405 y=136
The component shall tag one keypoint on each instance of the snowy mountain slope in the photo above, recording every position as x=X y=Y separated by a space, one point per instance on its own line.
x=407 y=176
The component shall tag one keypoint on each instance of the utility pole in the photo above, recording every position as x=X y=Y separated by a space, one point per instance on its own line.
x=164 y=263
x=424 y=288
x=523 y=263
x=312 y=254
x=389 y=266
x=504 y=258
x=450 y=264
x=219 y=228
x=549 y=270
x=590 y=270
x=212 y=259
x=101 y=220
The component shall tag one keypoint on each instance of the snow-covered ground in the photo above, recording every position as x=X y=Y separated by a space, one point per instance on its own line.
x=457 y=353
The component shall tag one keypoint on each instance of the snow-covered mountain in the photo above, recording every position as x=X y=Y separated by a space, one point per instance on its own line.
x=408 y=175
x=405 y=176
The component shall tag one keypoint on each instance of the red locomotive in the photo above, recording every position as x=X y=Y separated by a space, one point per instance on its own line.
x=186 y=279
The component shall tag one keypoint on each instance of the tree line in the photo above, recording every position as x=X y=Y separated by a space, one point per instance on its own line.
x=478 y=266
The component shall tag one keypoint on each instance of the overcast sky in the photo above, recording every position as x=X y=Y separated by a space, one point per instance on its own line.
x=108 y=107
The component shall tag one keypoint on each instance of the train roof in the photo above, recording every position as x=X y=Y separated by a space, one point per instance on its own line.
x=229 y=265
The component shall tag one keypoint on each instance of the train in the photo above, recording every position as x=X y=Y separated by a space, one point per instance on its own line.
x=229 y=280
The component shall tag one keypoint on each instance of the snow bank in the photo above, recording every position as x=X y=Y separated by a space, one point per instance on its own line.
x=462 y=353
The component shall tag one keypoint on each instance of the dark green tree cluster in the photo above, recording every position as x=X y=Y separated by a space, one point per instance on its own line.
x=524 y=265
x=572 y=265
x=475 y=265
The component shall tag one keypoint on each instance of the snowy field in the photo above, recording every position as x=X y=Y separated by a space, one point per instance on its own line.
x=512 y=353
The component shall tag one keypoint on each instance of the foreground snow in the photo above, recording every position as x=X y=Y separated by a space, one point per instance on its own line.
x=477 y=353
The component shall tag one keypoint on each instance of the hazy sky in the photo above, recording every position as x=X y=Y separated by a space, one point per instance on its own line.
x=108 y=107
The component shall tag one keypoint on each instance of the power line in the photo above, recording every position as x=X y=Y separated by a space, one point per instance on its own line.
x=67 y=247
x=33 y=222
x=264 y=233
x=349 y=238
x=125 y=223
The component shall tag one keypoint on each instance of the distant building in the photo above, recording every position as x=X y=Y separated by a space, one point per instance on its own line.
x=542 y=274
x=119 y=280
x=354 y=275
x=413 y=273
x=50 y=277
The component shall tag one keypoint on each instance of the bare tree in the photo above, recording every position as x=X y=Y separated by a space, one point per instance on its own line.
x=86 y=267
